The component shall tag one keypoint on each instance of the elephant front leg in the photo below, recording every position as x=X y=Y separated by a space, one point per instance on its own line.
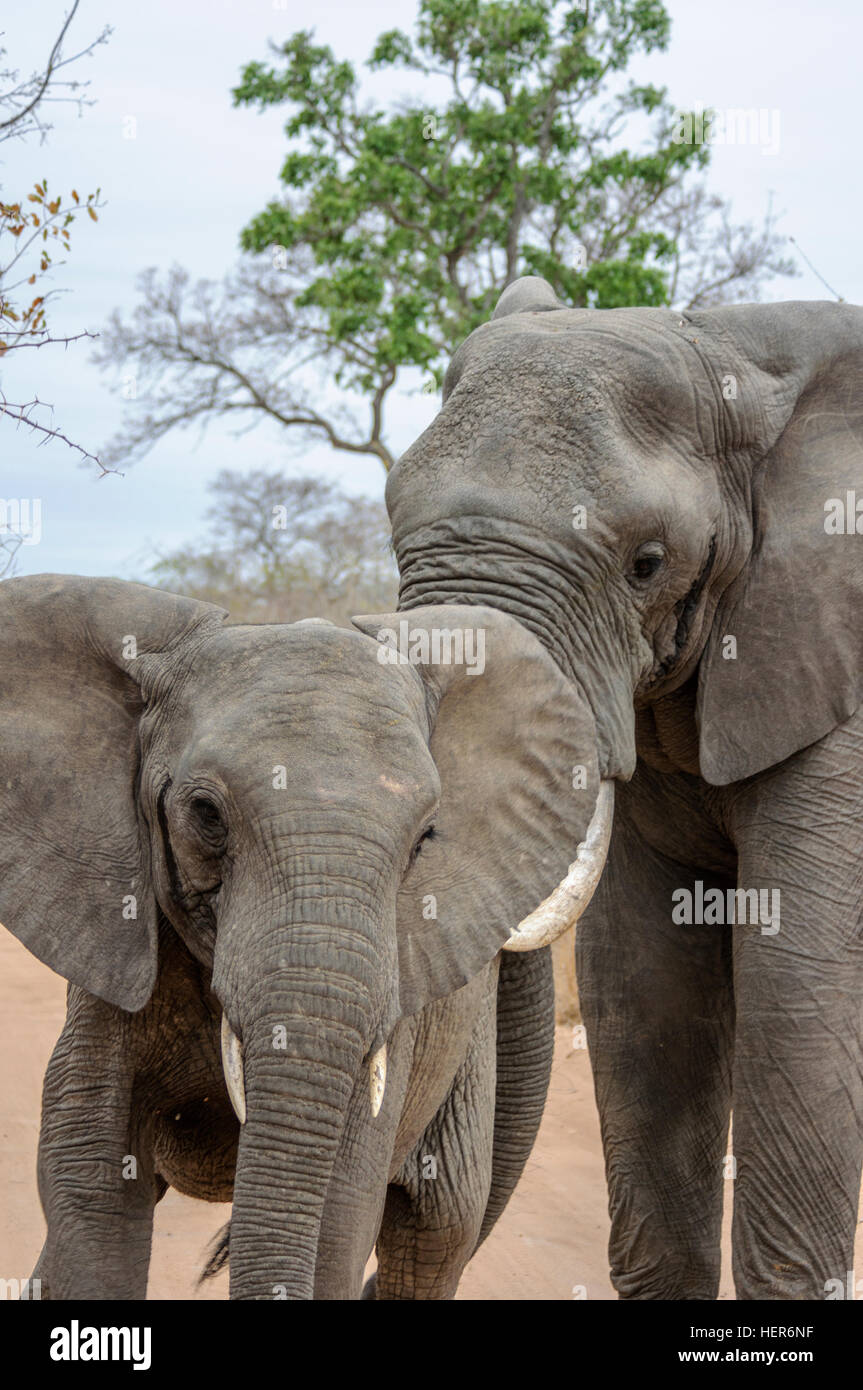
x=798 y=1069
x=657 y=1005
x=434 y=1211
x=96 y=1180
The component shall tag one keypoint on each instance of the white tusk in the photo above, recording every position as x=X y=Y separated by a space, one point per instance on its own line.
x=378 y=1079
x=232 y=1066
x=562 y=908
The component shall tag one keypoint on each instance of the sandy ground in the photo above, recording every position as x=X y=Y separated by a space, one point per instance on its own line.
x=549 y=1244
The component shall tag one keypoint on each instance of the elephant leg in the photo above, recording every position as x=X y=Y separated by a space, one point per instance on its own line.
x=657 y=1002
x=96 y=1179
x=38 y=1285
x=798 y=1067
x=525 y=1051
x=433 y=1213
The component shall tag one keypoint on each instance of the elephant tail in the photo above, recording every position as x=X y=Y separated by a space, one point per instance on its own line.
x=217 y=1255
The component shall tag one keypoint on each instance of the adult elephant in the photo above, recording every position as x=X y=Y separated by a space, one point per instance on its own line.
x=667 y=501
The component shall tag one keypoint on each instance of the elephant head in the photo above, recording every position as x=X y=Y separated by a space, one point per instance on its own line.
x=341 y=830
x=654 y=494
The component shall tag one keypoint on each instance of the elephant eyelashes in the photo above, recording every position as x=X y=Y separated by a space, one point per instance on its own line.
x=648 y=560
x=428 y=834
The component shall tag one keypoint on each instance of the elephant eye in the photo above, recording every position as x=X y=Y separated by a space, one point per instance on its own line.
x=428 y=834
x=648 y=560
x=207 y=814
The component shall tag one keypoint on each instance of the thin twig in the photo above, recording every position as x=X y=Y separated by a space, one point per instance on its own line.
x=802 y=254
x=49 y=69
x=19 y=413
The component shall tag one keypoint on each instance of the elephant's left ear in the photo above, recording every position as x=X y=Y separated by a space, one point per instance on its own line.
x=514 y=743
x=784 y=664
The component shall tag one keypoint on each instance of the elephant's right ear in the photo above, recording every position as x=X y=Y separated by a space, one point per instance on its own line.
x=74 y=869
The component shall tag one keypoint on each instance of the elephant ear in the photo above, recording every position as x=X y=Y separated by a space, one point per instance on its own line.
x=74 y=869
x=793 y=670
x=514 y=743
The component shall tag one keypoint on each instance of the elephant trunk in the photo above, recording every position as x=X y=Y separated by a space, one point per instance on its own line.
x=568 y=602
x=303 y=1014
x=297 y=1099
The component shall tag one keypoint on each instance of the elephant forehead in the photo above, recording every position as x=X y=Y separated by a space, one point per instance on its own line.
x=277 y=650
x=277 y=675
x=604 y=365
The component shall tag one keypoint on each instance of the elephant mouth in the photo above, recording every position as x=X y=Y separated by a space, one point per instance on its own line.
x=685 y=611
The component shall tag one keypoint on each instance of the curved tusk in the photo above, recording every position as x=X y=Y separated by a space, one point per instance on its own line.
x=378 y=1079
x=232 y=1066
x=562 y=908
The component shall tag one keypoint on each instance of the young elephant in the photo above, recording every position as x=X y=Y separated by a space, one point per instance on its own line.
x=295 y=852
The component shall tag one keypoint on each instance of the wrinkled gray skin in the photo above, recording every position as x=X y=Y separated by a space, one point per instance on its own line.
x=197 y=818
x=707 y=442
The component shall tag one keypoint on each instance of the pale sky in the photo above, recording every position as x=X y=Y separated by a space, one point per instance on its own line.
x=198 y=170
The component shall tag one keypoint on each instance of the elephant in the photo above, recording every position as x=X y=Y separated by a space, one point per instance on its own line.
x=671 y=502
x=277 y=866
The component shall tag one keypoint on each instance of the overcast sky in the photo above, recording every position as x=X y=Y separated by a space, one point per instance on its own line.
x=197 y=170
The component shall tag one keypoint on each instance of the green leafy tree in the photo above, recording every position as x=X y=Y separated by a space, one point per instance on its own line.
x=524 y=149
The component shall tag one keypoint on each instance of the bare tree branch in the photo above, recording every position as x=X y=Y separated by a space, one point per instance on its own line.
x=282 y=548
x=21 y=414
x=198 y=351
x=9 y=547
x=37 y=89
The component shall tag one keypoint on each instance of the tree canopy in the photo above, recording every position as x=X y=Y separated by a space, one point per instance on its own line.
x=520 y=148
